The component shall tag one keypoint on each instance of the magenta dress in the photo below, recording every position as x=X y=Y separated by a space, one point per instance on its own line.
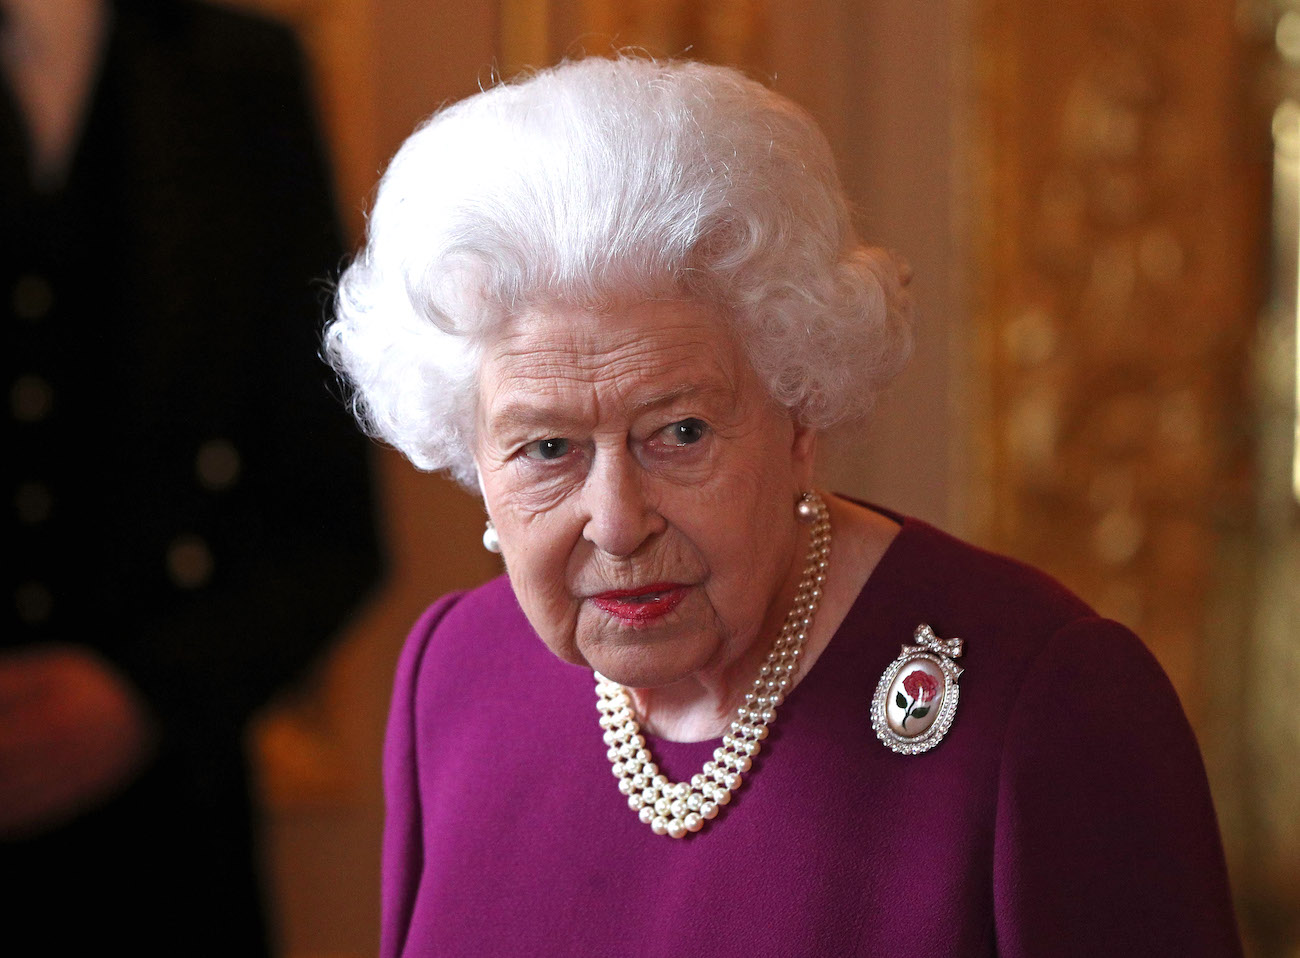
x=1065 y=813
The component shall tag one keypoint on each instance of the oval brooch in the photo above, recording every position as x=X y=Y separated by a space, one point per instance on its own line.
x=917 y=696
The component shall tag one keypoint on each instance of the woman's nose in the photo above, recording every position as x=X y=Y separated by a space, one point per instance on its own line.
x=621 y=516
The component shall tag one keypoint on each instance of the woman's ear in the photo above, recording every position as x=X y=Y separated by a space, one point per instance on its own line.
x=803 y=454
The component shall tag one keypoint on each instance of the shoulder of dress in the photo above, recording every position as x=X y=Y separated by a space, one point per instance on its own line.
x=458 y=609
x=1007 y=614
x=468 y=624
x=1093 y=684
x=963 y=590
x=1105 y=652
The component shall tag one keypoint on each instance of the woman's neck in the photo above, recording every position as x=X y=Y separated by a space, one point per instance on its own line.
x=702 y=706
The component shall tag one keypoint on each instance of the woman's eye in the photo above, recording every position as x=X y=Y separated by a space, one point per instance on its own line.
x=545 y=449
x=684 y=433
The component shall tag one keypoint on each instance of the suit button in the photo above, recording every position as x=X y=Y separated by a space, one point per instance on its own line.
x=30 y=398
x=189 y=562
x=33 y=298
x=33 y=602
x=32 y=503
x=217 y=465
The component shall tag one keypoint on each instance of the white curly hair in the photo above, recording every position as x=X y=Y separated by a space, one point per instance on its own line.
x=600 y=182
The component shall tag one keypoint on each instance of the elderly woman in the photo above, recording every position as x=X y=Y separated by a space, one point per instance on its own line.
x=622 y=299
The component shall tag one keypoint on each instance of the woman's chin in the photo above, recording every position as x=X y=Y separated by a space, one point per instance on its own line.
x=645 y=653
x=647 y=665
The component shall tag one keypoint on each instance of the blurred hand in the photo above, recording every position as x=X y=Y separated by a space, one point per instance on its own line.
x=73 y=732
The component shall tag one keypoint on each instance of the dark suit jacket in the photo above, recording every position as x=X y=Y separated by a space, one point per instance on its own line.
x=189 y=498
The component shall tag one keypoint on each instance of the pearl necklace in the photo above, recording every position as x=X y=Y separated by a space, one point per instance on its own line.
x=678 y=808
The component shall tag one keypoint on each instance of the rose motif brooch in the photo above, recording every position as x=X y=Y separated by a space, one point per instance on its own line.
x=916 y=698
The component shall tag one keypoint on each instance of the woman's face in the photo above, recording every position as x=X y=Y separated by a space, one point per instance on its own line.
x=643 y=485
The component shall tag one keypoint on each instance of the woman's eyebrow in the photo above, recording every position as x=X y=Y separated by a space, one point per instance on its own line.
x=523 y=415
x=687 y=391
x=517 y=415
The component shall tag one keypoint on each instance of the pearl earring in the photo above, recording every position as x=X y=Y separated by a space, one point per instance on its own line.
x=805 y=510
x=491 y=541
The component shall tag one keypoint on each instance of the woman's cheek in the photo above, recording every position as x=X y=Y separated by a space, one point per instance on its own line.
x=559 y=628
x=535 y=487
x=538 y=582
x=688 y=465
x=526 y=493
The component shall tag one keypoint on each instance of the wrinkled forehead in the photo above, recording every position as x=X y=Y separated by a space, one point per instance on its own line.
x=582 y=364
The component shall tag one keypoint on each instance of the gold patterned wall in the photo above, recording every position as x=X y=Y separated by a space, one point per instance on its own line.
x=537 y=32
x=1117 y=234
x=1131 y=429
x=1268 y=813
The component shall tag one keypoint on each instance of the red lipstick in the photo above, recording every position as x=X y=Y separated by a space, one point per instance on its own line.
x=643 y=604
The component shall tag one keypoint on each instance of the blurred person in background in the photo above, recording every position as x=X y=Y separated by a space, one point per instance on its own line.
x=189 y=518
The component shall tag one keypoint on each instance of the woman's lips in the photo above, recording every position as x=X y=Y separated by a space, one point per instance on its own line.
x=641 y=605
